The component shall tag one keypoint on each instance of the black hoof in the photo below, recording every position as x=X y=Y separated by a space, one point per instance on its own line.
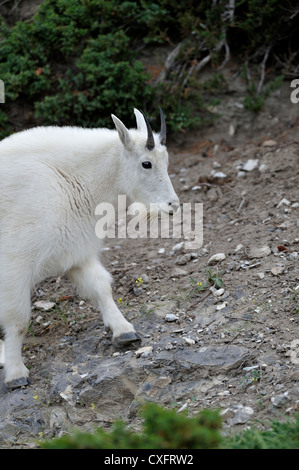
x=127 y=338
x=18 y=383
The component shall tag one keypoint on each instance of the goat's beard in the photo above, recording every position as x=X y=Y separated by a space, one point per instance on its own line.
x=153 y=220
x=144 y=213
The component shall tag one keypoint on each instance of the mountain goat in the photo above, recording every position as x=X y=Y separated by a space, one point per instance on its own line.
x=51 y=181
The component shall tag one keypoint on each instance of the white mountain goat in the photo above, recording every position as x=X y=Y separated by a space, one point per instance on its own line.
x=51 y=180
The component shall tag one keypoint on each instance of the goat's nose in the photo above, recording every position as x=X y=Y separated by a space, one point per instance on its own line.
x=173 y=207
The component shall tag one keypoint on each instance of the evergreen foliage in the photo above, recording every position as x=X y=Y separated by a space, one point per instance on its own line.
x=76 y=61
x=167 y=429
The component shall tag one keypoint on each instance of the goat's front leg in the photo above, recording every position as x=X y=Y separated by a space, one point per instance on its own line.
x=94 y=282
x=15 y=309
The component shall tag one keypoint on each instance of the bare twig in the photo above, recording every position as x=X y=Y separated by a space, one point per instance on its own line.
x=241 y=204
x=203 y=62
x=263 y=64
x=199 y=300
x=227 y=55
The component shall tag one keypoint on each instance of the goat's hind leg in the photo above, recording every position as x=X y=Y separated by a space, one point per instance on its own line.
x=15 y=310
x=94 y=282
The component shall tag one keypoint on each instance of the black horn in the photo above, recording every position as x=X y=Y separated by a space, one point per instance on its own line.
x=150 y=143
x=163 y=128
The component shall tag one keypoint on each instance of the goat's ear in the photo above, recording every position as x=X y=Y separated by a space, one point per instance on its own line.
x=123 y=133
x=141 y=125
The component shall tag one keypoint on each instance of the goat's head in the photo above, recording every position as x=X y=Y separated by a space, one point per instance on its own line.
x=145 y=162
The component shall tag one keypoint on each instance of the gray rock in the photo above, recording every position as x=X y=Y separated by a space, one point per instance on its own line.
x=145 y=351
x=20 y=414
x=138 y=291
x=250 y=165
x=219 y=174
x=242 y=414
x=280 y=400
x=215 y=357
x=216 y=258
x=184 y=259
x=188 y=341
x=145 y=278
x=44 y=305
x=171 y=317
x=259 y=251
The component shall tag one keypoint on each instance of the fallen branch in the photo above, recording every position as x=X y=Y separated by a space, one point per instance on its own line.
x=169 y=62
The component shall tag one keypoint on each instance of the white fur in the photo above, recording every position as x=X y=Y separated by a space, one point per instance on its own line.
x=51 y=180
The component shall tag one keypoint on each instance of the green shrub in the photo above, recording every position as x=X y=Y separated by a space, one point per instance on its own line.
x=76 y=61
x=162 y=429
x=168 y=429
x=281 y=435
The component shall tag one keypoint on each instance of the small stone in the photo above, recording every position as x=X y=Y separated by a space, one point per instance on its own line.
x=219 y=174
x=183 y=407
x=178 y=246
x=221 y=306
x=67 y=395
x=212 y=195
x=239 y=247
x=188 y=341
x=269 y=143
x=145 y=351
x=284 y=202
x=242 y=415
x=250 y=165
x=276 y=270
x=44 y=305
x=260 y=275
x=227 y=413
x=145 y=278
x=218 y=292
x=262 y=168
x=161 y=251
x=259 y=251
x=170 y=317
x=216 y=258
x=225 y=393
x=280 y=400
x=178 y=272
x=184 y=259
x=137 y=291
x=231 y=130
x=250 y=368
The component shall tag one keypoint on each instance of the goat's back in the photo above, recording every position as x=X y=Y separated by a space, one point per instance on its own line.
x=46 y=220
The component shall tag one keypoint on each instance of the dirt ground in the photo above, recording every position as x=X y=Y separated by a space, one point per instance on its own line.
x=250 y=216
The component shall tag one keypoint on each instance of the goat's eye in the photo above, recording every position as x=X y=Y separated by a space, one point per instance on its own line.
x=146 y=165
